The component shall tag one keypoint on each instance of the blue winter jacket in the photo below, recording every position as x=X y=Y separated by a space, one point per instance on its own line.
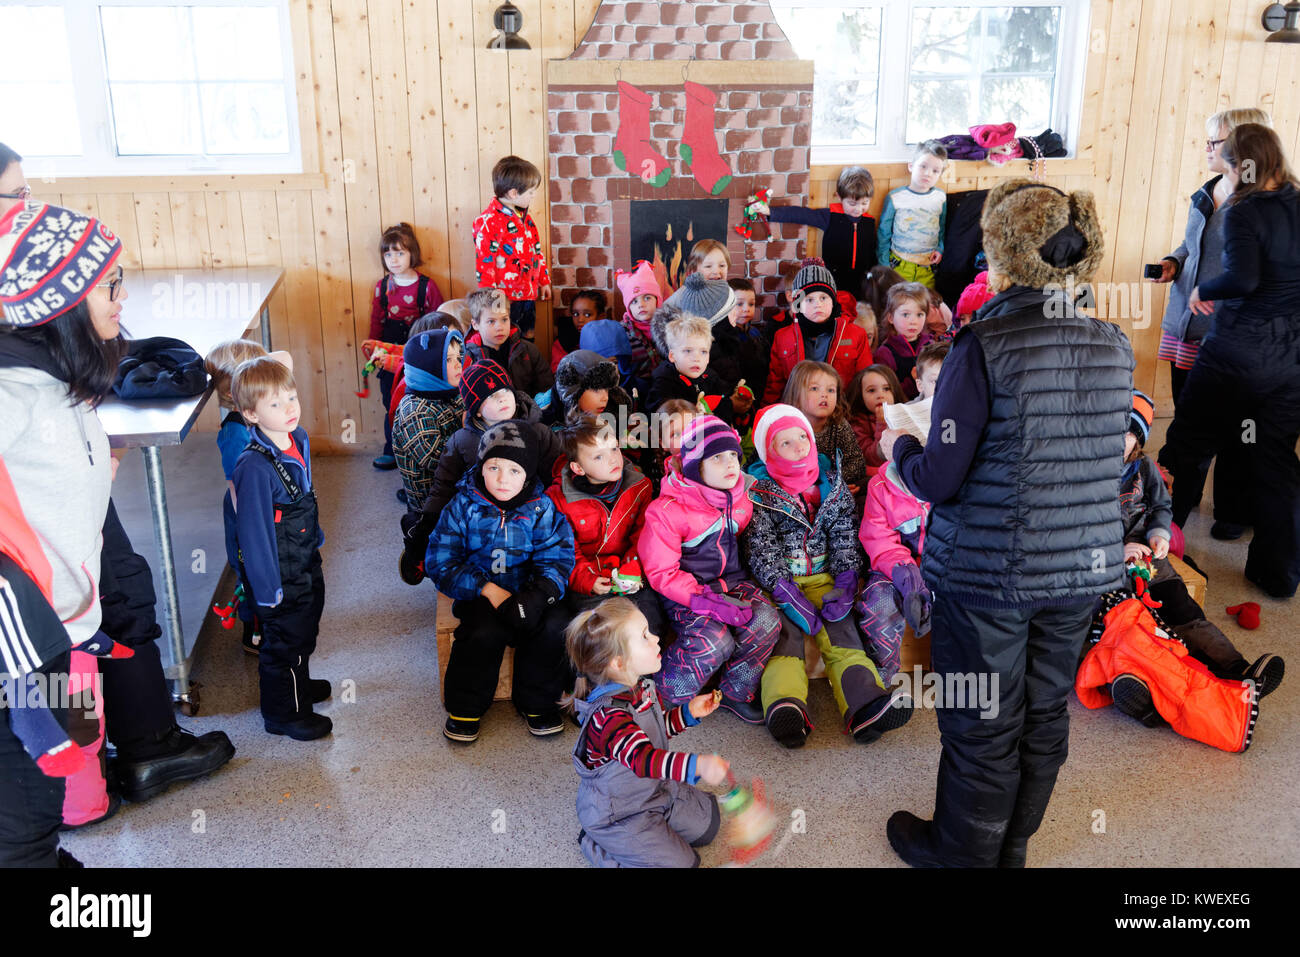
x=258 y=490
x=476 y=541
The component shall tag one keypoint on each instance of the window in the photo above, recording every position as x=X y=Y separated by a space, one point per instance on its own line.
x=889 y=75
x=157 y=88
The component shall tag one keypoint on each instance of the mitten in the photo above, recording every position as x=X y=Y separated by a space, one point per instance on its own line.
x=797 y=607
x=527 y=606
x=916 y=597
x=839 y=601
x=102 y=646
x=721 y=608
x=414 y=549
x=1247 y=614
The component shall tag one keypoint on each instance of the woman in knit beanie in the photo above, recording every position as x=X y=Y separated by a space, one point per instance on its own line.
x=801 y=548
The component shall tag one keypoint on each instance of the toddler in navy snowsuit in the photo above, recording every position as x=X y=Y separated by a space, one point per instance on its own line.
x=279 y=536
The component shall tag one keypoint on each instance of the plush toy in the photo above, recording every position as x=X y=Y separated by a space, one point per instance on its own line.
x=227 y=611
x=375 y=362
x=750 y=819
x=753 y=214
x=626 y=578
x=1247 y=614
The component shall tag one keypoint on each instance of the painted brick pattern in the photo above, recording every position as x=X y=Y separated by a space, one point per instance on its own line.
x=762 y=133
x=726 y=29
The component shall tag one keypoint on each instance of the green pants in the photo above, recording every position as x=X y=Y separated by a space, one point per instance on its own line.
x=912 y=272
x=853 y=677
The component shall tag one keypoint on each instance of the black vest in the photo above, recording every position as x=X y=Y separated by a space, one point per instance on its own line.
x=849 y=250
x=1037 y=520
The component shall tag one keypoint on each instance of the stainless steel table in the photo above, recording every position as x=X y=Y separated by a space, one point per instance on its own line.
x=202 y=307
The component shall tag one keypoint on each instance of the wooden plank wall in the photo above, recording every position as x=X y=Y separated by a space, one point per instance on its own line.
x=1156 y=70
x=411 y=110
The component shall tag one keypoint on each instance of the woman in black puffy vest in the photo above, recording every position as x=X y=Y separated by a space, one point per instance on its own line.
x=1022 y=466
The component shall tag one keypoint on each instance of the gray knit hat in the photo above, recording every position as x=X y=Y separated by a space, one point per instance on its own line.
x=813 y=276
x=711 y=299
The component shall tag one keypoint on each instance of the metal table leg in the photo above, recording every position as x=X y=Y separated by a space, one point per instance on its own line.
x=162 y=536
x=266 y=326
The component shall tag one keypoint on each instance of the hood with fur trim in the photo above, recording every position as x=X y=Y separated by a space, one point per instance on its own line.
x=582 y=370
x=1022 y=217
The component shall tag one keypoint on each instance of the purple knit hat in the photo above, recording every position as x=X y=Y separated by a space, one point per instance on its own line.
x=705 y=436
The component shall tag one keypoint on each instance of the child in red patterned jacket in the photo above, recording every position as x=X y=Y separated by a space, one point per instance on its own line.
x=508 y=248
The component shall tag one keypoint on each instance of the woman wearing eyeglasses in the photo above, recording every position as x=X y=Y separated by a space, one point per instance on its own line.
x=61 y=297
x=13 y=184
x=1243 y=393
x=1198 y=259
x=59 y=350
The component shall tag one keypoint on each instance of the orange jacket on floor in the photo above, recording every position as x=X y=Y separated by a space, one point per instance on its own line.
x=1196 y=704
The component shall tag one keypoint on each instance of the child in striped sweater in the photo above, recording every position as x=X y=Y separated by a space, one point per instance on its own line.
x=637 y=800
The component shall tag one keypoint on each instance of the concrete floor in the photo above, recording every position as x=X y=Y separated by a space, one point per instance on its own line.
x=388 y=789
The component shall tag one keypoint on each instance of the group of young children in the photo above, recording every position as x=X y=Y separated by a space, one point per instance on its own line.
x=689 y=469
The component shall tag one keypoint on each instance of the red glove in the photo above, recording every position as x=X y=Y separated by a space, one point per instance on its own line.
x=1247 y=614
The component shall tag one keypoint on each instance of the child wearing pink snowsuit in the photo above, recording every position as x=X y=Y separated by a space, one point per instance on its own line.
x=893 y=535
x=690 y=555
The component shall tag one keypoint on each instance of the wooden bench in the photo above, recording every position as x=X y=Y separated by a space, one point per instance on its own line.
x=447 y=623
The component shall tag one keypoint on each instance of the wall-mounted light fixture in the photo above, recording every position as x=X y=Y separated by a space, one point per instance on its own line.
x=1283 y=22
x=509 y=20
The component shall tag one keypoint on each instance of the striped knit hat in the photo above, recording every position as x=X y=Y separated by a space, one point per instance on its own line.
x=813 y=276
x=706 y=435
x=50 y=259
x=1141 y=417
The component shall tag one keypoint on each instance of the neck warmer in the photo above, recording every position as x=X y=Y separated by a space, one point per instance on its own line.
x=417 y=380
x=526 y=493
x=815 y=330
x=607 y=493
x=795 y=477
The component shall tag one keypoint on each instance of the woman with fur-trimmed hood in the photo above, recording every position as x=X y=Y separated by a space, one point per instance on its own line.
x=1022 y=469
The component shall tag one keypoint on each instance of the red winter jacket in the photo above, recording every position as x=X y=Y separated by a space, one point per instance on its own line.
x=1214 y=711
x=508 y=252
x=850 y=351
x=603 y=538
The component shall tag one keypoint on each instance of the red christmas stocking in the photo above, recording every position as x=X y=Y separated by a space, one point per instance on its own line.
x=632 y=149
x=699 y=148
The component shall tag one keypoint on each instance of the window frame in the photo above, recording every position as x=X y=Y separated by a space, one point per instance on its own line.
x=99 y=157
x=896 y=70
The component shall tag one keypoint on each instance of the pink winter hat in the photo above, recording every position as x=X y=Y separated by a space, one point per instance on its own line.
x=638 y=282
x=990 y=137
x=775 y=418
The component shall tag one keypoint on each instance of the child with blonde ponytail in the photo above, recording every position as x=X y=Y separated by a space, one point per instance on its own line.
x=636 y=801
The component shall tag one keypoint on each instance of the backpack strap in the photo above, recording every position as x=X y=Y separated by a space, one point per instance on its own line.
x=290 y=486
x=421 y=293
x=383 y=295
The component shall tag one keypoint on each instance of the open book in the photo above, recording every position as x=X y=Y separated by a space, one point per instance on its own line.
x=910 y=417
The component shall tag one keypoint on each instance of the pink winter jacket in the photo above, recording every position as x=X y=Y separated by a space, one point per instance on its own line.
x=687 y=547
x=893 y=523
